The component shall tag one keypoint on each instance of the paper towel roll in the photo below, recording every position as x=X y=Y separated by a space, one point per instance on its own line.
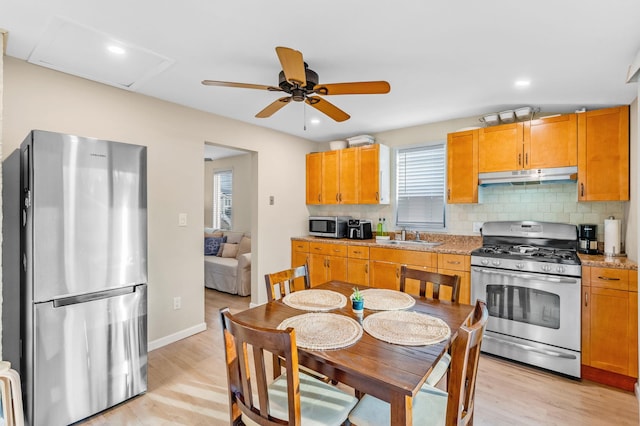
x=611 y=237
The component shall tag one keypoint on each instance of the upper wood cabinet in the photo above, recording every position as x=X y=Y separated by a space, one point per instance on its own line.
x=551 y=142
x=542 y=143
x=500 y=148
x=603 y=155
x=314 y=178
x=358 y=175
x=375 y=179
x=462 y=167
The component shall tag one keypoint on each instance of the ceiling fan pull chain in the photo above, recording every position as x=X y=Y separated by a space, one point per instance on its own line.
x=304 y=116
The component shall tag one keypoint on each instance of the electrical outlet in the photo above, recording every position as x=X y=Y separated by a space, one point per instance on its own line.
x=272 y=200
x=177 y=303
x=477 y=226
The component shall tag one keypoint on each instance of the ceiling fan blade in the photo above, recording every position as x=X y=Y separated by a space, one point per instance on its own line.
x=273 y=107
x=241 y=85
x=292 y=65
x=327 y=108
x=358 y=88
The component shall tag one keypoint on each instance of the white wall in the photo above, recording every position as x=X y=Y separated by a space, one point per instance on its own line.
x=39 y=98
x=242 y=190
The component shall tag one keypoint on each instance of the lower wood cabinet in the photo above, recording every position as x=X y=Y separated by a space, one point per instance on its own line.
x=610 y=326
x=327 y=261
x=358 y=265
x=457 y=264
x=385 y=267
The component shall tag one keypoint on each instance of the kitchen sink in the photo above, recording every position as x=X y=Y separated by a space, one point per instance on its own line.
x=412 y=243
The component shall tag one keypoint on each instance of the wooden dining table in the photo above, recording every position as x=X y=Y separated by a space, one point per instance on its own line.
x=390 y=372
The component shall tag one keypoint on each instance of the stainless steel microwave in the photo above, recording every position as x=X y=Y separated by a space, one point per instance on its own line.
x=328 y=226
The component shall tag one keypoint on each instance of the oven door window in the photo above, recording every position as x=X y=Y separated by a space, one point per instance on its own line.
x=526 y=305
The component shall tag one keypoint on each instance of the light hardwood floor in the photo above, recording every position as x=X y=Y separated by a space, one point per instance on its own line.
x=187 y=386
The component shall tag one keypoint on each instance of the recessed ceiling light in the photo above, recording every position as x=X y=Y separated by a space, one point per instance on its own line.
x=523 y=83
x=315 y=121
x=116 y=49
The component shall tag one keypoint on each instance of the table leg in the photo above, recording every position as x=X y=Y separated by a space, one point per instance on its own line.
x=401 y=410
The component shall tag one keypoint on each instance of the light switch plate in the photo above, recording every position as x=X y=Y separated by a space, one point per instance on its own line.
x=182 y=219
x=477 y=226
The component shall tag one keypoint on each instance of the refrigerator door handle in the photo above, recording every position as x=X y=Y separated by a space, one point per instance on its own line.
x=82 y=298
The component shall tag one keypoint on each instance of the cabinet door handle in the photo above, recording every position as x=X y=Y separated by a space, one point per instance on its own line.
x=328 y=263
x=397 y=273
x=526 y=159
x=586 y=299
x=519 y=159
x=337 y=197
x=319 y=199
x=448 y=194
x=366 y=268
x=453 y=262
x=608 y=279
x=377 y=196
x=357 y=252
x=316 y=248
x=582 y=189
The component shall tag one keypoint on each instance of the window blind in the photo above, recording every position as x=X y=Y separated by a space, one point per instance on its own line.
x=421 y=187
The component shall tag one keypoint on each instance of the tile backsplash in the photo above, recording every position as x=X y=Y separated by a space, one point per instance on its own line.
x=557 y=202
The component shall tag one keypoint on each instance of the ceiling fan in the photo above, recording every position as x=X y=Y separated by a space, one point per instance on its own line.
x=300 y=83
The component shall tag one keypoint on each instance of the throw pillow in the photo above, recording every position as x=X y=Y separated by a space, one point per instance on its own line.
x=212 y=245
x=219 y=253
x=244 y=246
x=233 y=237
x=229 y=250
x=214 y=234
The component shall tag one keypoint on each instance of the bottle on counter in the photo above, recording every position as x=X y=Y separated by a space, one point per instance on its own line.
x=379 y=229
x=384 y=226
x=403 y=234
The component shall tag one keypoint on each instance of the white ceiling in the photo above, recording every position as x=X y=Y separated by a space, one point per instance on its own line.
x=443 y=59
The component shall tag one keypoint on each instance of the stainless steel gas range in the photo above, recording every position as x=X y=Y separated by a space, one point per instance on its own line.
x=529 y=275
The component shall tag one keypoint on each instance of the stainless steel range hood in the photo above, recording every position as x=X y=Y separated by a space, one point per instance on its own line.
x=528 y=177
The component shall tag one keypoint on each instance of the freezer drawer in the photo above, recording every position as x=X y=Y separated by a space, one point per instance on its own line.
x=88 y=356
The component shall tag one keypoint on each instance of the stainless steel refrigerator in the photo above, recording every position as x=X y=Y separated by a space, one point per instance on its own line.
x=84 y=275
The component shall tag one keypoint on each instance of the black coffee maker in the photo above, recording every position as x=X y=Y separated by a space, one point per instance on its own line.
x=587 y=240
x=359 y=229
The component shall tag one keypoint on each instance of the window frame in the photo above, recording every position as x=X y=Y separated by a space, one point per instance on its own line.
x=216 y=222
x=424 y=226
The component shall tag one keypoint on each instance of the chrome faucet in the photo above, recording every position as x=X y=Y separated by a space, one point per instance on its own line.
x=417 y=236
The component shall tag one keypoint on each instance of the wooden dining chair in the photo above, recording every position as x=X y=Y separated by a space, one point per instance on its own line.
x=432 y=406
x=294 y=398
x=279 y=284
x=437 y=280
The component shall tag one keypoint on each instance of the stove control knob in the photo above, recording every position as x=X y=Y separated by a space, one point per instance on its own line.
x=495 y=263
x=484 y=262
x=546 y=268
x=560 y=269
x=520 y=265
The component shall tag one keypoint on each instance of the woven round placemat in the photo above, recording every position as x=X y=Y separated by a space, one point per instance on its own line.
x=406 y=328
x=320 y=331
x=315 y=300
x=386 y=300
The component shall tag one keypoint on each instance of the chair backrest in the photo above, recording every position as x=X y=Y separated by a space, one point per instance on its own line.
x=242 y=364
x=285 y=281
x=434 y=278
x=465 y=353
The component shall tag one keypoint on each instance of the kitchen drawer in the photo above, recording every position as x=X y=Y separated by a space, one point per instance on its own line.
x=328 y=249
x=300 y=246
x=456 y=262
x=358 y=252
x=617 y=279
x=404 y=257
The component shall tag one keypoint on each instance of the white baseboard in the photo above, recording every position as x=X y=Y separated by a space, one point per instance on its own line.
x=182 y=334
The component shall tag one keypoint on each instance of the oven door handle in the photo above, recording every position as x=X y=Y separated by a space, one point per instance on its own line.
x=531 y=348
x=529 y=277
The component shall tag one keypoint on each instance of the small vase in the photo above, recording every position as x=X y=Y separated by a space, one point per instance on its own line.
x=357 y=305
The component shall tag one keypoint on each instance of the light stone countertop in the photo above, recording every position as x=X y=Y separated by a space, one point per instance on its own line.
x=464 y=245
